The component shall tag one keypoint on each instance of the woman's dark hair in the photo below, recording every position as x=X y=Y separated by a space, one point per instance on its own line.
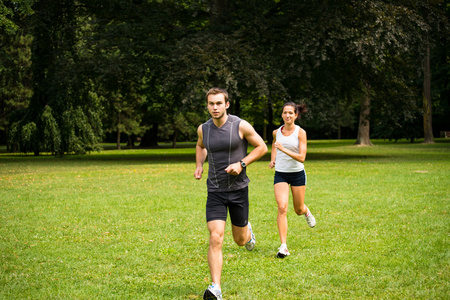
x=298 y=108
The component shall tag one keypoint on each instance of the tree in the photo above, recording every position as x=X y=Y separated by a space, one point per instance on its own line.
x=440 y=85
x=12 y=14
x=63 y=115
x=225 y=48
x=15 y=77
x=15 y=60
x=427 y=106
x=140 y=67
x=131 y=43
x=356 y=47
x=434 y=31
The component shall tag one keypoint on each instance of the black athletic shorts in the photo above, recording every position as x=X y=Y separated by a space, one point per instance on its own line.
x=294 y=179
x=218 y=204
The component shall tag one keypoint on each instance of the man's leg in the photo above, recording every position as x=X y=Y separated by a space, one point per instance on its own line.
x=215 y=260
x=241 y=235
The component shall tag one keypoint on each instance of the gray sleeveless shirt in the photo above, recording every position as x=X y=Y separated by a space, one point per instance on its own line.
x=225 y=147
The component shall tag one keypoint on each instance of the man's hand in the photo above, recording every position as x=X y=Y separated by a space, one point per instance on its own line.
x=198 y=173
x=234 y=169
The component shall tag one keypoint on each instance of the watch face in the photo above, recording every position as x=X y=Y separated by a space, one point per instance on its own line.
x=243 y=164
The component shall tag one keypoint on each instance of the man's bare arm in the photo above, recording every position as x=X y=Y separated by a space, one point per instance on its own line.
x=249 y=133
x=200 y=154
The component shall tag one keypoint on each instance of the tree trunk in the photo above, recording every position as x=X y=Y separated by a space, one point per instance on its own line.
x=427 y=120
x=339 y=125
x=118 y=133
x=118 y=138
x=236 y=107
x=174 y=139
x=150 y=137
x=130 y=141
x=363 y=138
x=219 y=15
x=270 y=122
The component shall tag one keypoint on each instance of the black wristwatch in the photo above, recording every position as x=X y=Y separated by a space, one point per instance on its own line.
x=243 y=164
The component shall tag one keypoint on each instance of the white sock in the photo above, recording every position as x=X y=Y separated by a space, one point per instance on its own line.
x=307 y=211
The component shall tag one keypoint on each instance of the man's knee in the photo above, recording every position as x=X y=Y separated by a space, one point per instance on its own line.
x=215 y=239
x=240 y=241
x=241 y=236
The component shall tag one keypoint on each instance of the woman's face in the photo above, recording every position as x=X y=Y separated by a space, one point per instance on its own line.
x=289 y=115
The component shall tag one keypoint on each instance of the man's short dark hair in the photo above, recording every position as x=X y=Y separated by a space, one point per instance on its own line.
x=217 y=90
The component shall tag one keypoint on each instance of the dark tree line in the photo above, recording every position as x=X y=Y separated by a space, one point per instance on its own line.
x=74 y=72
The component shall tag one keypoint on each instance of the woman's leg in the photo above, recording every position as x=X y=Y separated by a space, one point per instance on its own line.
x=298 y=195
x=282 y=197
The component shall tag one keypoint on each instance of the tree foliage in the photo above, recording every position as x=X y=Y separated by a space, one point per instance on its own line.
x=61 y=116
x=141 y=67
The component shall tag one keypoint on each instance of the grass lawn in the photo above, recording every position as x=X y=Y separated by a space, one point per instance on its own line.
x=130 y=224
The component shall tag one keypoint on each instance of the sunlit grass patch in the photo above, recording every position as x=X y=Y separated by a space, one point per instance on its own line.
x=131 y=224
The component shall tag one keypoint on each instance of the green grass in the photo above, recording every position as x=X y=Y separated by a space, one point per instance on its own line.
x=130 y=224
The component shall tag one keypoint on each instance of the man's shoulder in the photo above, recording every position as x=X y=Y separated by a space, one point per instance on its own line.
x=207 y=123
x=234 y=119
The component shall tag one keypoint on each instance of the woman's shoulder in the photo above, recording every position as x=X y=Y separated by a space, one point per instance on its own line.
x=278 y=129
x=301 y=131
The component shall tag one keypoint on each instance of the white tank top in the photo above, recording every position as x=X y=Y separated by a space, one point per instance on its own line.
x=283 y=162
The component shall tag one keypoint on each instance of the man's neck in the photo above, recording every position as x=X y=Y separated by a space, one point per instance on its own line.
x=219 y=122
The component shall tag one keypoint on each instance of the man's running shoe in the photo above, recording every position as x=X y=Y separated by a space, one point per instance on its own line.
x=213 y=293
x=282 y=252
x=250 y=244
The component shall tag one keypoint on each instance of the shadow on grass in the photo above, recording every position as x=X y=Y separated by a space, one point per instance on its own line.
x=161 y=158
x=341 y=156
x=99 y=158
x=186 y=154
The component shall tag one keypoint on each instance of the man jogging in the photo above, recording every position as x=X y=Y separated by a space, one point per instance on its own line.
x=224 y=139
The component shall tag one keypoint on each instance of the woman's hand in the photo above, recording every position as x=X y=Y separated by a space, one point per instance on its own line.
x=279 y=146
x=272 y=164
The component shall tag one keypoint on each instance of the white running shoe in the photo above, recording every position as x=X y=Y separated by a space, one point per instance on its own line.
x=310 y=219
x=213 y=293
x=283 y=252
x=250 y=244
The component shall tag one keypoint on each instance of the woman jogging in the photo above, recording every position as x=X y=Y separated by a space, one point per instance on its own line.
x=288 y=155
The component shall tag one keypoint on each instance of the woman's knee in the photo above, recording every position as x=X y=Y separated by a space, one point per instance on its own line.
x=300 y=210
x=282 y=209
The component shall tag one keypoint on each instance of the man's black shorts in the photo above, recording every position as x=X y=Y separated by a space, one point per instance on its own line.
x=218 y=204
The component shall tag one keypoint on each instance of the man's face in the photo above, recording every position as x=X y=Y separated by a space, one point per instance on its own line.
x=217 y=106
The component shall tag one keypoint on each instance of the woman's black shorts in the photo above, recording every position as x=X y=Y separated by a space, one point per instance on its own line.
x=294 y=179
